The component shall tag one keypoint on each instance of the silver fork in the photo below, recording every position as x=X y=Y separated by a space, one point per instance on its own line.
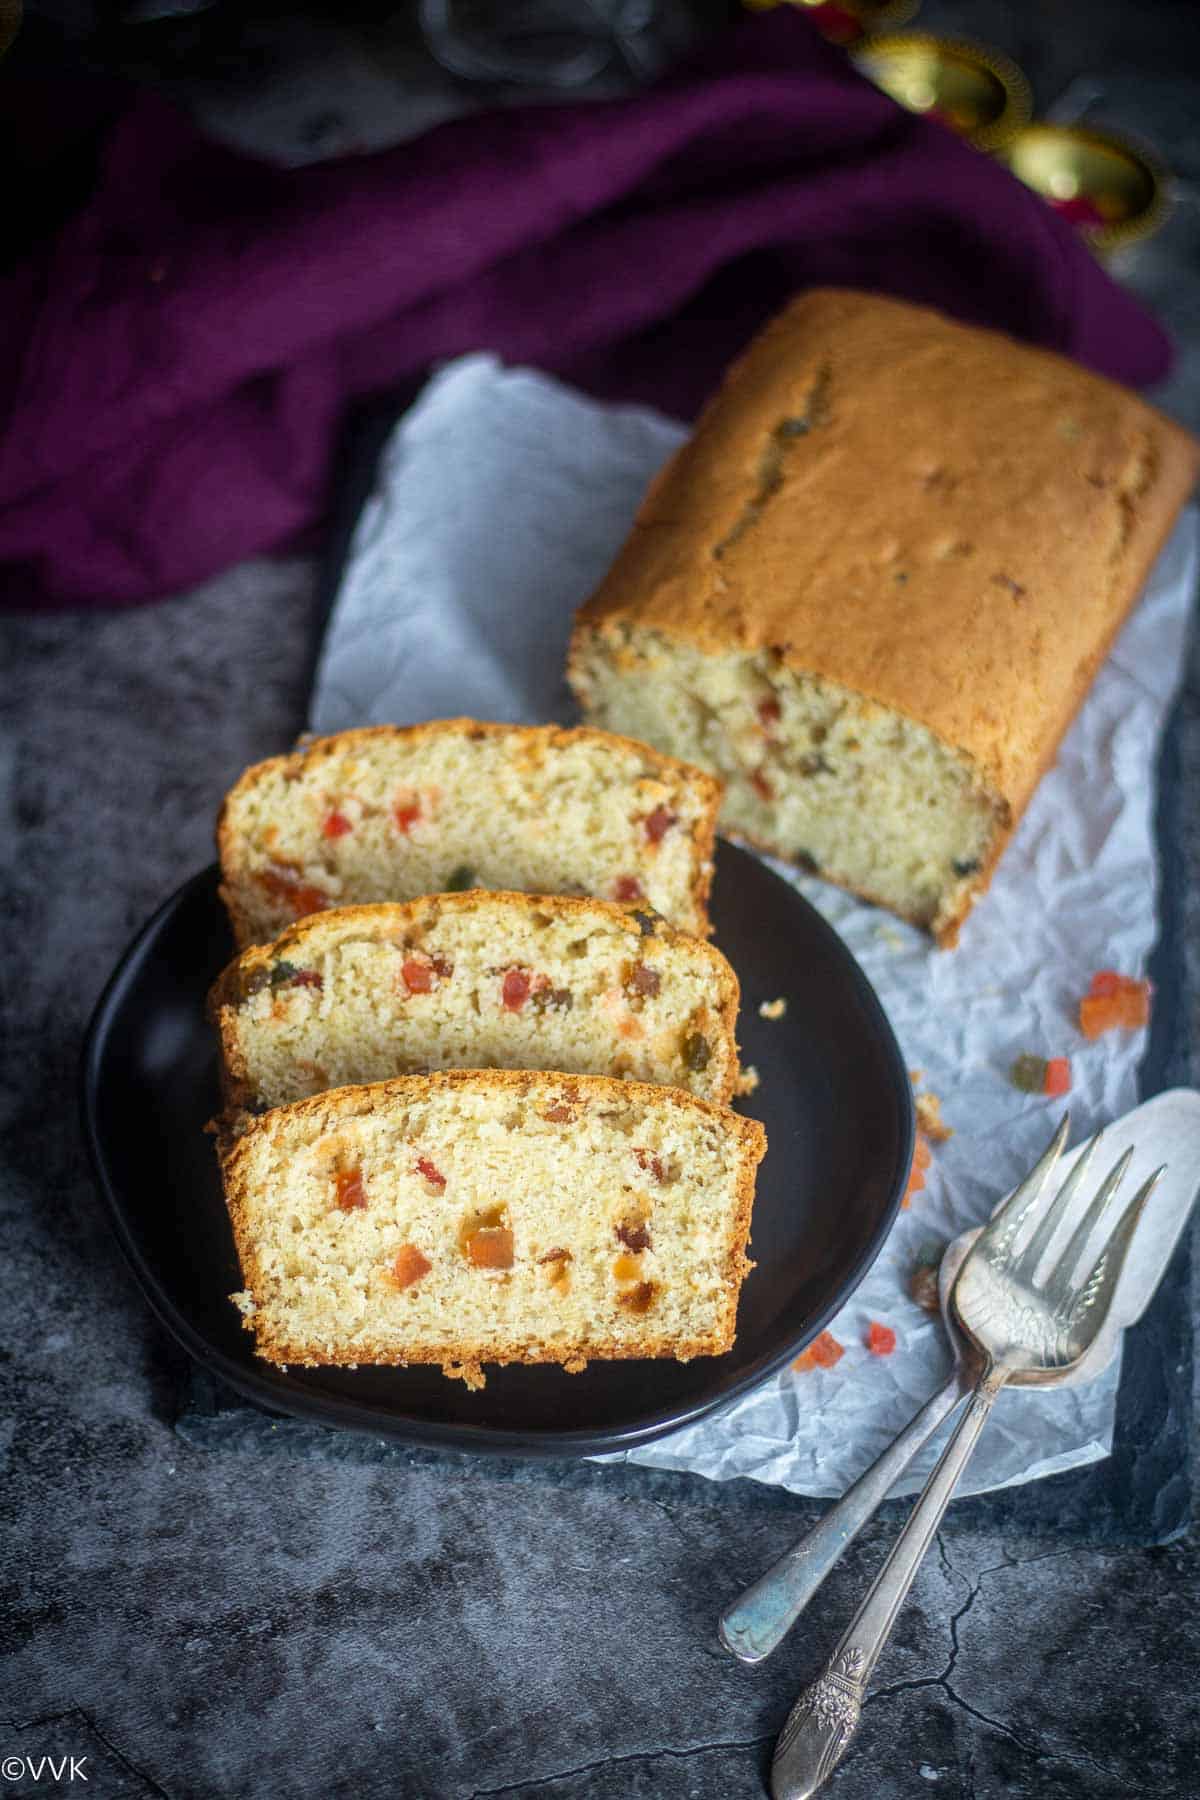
x=1023 y=1320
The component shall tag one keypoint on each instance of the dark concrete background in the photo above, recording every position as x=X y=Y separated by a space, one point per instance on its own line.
x=211 y=1623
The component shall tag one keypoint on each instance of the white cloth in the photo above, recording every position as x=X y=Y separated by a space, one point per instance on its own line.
x=501 y=500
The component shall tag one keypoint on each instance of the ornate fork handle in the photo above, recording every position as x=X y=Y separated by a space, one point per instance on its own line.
x=825 y=1717
x=755 y=1623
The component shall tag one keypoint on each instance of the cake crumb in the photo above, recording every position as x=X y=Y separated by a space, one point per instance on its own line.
x=747 y=1081
x=772 y=1009
x=929 y=1119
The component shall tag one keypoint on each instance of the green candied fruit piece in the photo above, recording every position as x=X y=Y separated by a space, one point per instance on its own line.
x=461 y=880
x=696 y=1051
x=282 y=972
x=1029 y=1074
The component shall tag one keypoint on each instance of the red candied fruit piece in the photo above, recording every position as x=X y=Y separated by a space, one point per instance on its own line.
x=1058 y=1076
x=822 y=1353
x=406 y=812
x=761 y=785
x=307 y=978
x=1105 y=983
x=417 y=975
x=431 y=1172
x=409 y=1266
x=351 y=1196
x=770 y=712
x=282 y=884
x=659 y=822
x=881 y=1339
x=515 y=990
x=336 y=825
x=628 y=887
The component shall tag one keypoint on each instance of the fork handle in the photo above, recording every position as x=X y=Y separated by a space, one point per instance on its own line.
x=825 y=1717
x=759 y=1619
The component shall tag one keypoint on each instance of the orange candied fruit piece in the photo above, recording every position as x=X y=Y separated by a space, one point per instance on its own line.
x=628 y=887
x=335 y=824
x=922 y=1157
x=491 y=1247
x=351 y=1195
x=409 y=1266
x=881 y=1339
x=1114 y=1002
x=822 y=1353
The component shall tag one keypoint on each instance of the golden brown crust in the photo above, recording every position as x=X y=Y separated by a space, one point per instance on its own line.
x=389 y=919
x=463 y=1357
x=541 y=737
x=940 y=519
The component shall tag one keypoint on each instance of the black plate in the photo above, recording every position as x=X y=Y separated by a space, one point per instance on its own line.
x=835 y=1099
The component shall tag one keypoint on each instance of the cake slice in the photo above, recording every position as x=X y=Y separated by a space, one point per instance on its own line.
x=388 y=812
x=492 y=1216
x=872 y=590
x=475 y=981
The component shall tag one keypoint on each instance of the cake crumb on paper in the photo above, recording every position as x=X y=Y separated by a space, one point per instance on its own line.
x=772 y=1009
x=748 y=1080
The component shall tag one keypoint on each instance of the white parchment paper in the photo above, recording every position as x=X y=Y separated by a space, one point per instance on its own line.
x=501 y=499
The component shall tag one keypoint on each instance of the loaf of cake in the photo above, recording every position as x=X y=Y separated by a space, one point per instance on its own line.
x=872 y=589
x=492 y=1216
x=475 y=981
x=388 y=813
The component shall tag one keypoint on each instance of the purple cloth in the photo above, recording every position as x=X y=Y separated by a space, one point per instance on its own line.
x=176 y=363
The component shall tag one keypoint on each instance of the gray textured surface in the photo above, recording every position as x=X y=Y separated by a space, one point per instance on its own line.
x=205 y=1623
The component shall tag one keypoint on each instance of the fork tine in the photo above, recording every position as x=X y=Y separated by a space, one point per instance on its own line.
x=1100 y=1280
x=1069 y=1260
x=1016 y=1209
x=1048 y=1224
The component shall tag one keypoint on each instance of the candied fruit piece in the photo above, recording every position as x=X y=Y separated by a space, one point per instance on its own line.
x=644 y=980
x=639 y=1299
x=417 y=975
x=557 y=1255
x=1028 y=1073
x=431 y=1172
x=769 y=712
x=627 y=1267
x=659 y=822
x=1058 y=1076
x=634 y=1234
x=308 y=978
x=647 y=1160
x=922 y=1157
x=351 y=1195
x=558 y=1115
x=302 y=897
x=409 y=1266
x=460 y=880
x=514 y=990
x=880 y=1339
x=628 y=887
x=1114 y=1002
x=761 y=785
x=696 y=1052
x=822 y=1353
x=490 y=1247
x=406 y=810
x=335 y=824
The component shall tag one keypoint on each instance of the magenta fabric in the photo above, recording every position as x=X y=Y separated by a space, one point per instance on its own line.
x=176 y=363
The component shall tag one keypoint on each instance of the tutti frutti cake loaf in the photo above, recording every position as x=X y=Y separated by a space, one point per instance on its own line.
x=872 y=590
x=388 y=813
x=480 y=1216
x=474 y=980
